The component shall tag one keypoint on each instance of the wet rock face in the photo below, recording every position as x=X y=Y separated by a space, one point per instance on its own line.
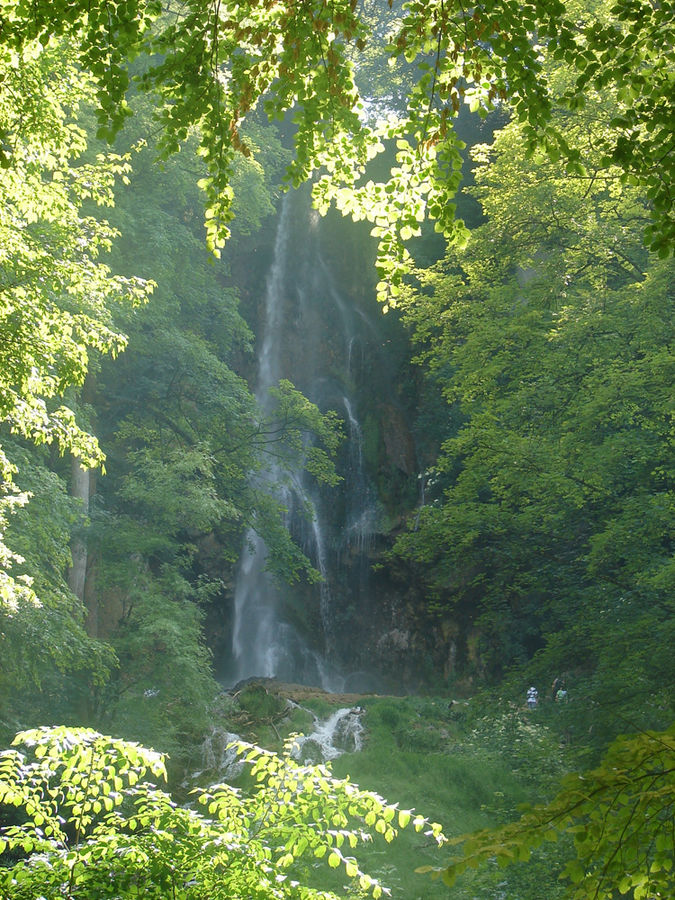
x=398 y=441
x=317 y=324
x=390 y=643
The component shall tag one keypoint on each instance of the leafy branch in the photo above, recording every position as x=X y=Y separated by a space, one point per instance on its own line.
x=90 y=820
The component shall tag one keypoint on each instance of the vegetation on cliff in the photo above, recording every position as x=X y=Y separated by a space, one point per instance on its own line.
x=543 y=388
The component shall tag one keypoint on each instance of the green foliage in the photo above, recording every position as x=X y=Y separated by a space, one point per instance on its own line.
x=55 y=294
x=55 y=298
x=163 y=688
x=214 y=67
x=91 y=826
x=530 y=744
x=14 y=591
x=295 y=418
x=551 y=336
x=619 y=814
x=548 y=524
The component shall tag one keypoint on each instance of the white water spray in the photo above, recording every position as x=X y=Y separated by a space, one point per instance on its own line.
x=309 y=333
x=341 y=733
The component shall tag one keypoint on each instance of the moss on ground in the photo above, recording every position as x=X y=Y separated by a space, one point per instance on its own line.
x=466 y=764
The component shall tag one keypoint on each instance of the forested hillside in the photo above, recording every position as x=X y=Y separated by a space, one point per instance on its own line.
x=423 y=444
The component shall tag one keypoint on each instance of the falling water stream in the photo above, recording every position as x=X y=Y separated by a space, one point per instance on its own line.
x=311 y=334
x=341 y=732
x=262 y=643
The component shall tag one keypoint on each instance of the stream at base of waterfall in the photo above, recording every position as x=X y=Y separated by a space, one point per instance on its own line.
x=341 y=732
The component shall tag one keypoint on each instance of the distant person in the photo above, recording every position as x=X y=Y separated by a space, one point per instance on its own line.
x=532 y=697
x=561 y=695
x=557 y=683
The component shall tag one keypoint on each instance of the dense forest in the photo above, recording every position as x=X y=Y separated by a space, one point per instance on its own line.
x=336 y=351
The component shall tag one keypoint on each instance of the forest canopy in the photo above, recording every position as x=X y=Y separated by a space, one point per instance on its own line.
x=210 y=65
x=540 y=335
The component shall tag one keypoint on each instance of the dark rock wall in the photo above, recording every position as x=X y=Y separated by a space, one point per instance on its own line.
x=344 y=354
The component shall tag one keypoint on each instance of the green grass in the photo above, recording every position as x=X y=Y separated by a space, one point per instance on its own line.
x=434 y=758
x=465 y=766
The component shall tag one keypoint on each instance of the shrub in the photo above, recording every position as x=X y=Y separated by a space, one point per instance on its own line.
x=89 y=825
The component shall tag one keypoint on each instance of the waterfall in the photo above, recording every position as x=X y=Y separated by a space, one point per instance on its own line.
x=263 y=644
x=313 y=335
x=361 y=506
x=342 y=732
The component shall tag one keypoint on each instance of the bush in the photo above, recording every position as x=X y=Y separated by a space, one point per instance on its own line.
x=89 y=825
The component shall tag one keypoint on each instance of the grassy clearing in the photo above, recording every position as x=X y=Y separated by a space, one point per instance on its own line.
x=465 y=765
x=463 y=770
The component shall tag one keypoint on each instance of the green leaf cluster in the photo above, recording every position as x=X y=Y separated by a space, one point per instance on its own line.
x=90 y=825
x=547 y=525
x=55 y=319
x=55 y=294
x=214 y=67
x=550 y=338
x=620 y=815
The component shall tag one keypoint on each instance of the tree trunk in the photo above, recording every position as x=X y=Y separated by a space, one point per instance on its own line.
x=80 y=487
x=83 y=487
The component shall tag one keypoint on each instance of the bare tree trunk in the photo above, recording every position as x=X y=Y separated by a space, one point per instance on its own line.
x=83 y=487
x=80 y=487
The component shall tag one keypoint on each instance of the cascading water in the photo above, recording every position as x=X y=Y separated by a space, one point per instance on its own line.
x=342 y=732
x=361 y=506
x=263 y=644
x=314 y=336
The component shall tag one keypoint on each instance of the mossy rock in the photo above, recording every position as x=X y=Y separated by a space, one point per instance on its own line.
x=259 y=703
